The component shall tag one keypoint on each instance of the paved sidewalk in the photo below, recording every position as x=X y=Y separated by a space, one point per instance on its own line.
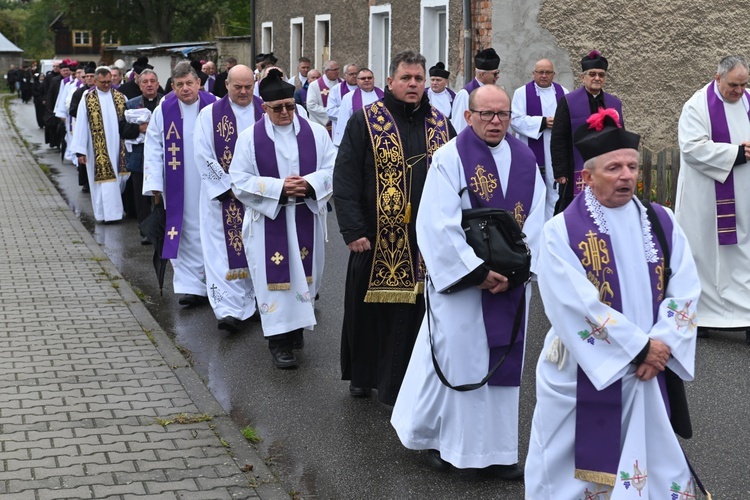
x=86 y=372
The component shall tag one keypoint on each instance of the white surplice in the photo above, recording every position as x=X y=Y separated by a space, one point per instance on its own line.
x=527 y=126
x=477 y=428
x=723 y=269
x=235 y=298
x=106 y=197
x=345 y=112
x=282 y=311
x=315 y=108
x=442 y=101
x=569 y=298
x=334 y=102
x=460 y=104
x=189 y=271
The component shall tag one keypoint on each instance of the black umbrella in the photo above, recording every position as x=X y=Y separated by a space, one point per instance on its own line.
x=153 y=228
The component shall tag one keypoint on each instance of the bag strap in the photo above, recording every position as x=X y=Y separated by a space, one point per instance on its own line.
x=659 y=231
x=520 y=310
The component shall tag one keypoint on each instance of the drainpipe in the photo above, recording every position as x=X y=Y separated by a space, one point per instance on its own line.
x=252 y=34
x=468 y=76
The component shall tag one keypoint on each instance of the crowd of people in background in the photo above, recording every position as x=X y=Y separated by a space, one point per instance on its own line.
x=245 y=161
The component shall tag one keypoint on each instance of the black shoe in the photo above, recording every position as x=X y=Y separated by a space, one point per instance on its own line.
x=190 y=300
x=437 y=463
x=359 y=392
x=507 y=472
x=283 y=358
x=85 y=189
x=230 y=324
x=702 y=332
x=145 y=241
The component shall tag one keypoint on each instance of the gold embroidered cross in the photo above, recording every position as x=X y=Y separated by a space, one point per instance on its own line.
x=304 y=253
x=172 y=233
x=580 y=184
x=174 y=149
x=324 y=92
x=174 y=163
x=277 y=258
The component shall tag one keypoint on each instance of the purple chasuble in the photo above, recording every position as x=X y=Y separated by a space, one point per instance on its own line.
x=277 y=243
x=726 y=215
x=580 y=110
x=174 y=172
x=472 y=86
x=534 y=108
x=482 y=178
x=232 y=210
x=599 y=413
x=357 y=98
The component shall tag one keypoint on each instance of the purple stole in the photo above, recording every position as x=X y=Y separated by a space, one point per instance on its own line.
x=324 y=91
x=232 y=210
x=174 y=172
x=534 y=108
x=277 y=243
x=498 y=310
x=599 y=413
x=211 y=81
x=357 y=98
x=451 y=93
x=726 y=216
x=258 y=105
x=472 y=86
x=578 y=104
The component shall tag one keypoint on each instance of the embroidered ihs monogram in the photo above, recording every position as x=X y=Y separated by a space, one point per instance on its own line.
x=483 y=185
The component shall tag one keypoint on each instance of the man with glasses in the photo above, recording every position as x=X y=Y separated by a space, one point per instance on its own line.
x=282 y=172
x=337 y=94
x=534 y=107
x=486 y=63
x=713 y=195
x=365 y=93
x=318 y=93
x=572 y=111
x=471 y=326
x=98 y=146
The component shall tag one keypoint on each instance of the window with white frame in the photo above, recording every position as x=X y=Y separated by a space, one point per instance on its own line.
x=266 y=37
x=434 y=33
x=380 y=42
x=81 y=38
x=322 y=40
x=296 y=43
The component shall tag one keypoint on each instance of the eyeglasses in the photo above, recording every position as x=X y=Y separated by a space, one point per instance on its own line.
x=351 y=74
x=594 y=74
x=333 y=69
x=488 y=116
x=365 y=78
x=493 y=73
x=544 y=73
x=278 y=109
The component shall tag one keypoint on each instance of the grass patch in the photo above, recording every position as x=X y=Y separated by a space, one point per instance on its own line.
x=150 y=336
x=45 y=168
x=184 y=418
x=251 y=434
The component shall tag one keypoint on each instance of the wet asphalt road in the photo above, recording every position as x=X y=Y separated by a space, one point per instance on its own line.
x=325 y=444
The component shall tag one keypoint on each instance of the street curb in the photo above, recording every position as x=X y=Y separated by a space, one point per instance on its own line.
x=266 y=484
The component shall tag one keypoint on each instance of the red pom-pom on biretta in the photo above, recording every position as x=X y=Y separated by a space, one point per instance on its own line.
x=596 y=121
x=594 y=54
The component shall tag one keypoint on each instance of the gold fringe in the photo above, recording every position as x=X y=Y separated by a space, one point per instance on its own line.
x=708 y=495
x=598 y=477
x=237 y=274
x=391 y=296
x=104 y=180
x=309 y=280
x=279 y=286
x=419 y=289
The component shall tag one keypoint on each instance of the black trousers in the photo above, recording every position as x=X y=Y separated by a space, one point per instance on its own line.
x=284 y=341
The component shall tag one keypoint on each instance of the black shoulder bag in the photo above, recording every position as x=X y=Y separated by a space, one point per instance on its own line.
x=678 y=405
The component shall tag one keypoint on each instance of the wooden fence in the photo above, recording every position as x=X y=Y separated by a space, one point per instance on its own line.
x=659 y=178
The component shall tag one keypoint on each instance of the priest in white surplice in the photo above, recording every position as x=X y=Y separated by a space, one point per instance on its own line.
x=340 y=91
x=230 y=289
x=282 y=171
x=319 y=91
x=619 y=320
x=471 y=327
x=365 y=93
x=534 y=107
x=438 y=92
x=714 y=184
x=486 y=63
x=97 y=144
x=169 y=168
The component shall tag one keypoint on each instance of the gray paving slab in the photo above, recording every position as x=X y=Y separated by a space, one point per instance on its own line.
x=87 y=371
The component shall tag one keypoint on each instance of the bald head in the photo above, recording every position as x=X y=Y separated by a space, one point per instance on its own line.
x=544 y=73
x=489 y=113
x=487 y=92
x=240 y=83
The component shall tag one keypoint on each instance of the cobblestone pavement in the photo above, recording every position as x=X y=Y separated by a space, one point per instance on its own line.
x=87 y=375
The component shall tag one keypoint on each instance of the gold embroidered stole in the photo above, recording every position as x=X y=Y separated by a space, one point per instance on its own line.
x=103 y=171
x=394 y=278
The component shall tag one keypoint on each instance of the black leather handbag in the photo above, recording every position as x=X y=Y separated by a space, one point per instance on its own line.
x=497 y=239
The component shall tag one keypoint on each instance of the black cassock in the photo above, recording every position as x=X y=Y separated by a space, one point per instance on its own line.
x=377 y=338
